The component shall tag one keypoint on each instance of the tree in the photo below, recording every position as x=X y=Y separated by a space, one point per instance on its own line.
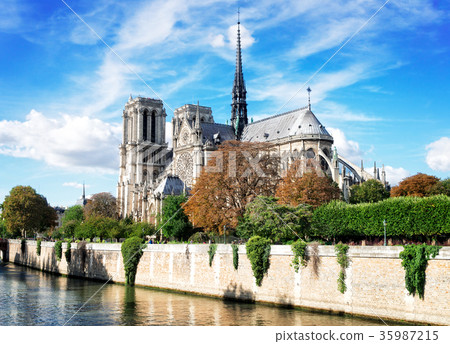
x=176 y=223
x=419 y=185
x=235 y=174
x=268 y=219
x=102 y=204
x=3 y=230
x=26 y=212
x=370 y=191
x=442 y=187
x=309 y=188
x=74 y=213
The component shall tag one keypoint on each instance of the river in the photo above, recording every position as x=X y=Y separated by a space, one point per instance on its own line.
x=31 y=297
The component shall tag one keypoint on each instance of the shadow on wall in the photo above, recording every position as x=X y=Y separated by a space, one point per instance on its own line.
x=234 y=293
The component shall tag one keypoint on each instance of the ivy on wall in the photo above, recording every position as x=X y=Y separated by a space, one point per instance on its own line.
x=68 y=252
x=38 y=247
x=258 y=252
x=414 y=261
x=132 y=251
x=235 y=249
x=212 y=251
x=343 y=261
x=58 y=250
x=299 y=250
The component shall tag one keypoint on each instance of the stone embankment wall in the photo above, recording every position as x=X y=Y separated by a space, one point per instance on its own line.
x=375 y=277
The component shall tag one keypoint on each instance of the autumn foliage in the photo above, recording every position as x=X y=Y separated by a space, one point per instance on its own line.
x=307 y=188
x=235 y=174
x=419 y=185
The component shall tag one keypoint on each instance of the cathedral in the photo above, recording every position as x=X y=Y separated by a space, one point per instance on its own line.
x=151 y=170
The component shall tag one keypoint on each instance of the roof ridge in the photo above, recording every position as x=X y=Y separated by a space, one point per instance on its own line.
x=279 y=115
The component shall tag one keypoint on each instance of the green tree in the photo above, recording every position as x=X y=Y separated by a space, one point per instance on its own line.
x=278 y=222
x=74 y=213
x=442 y=187
x=176 y=223
x=102 y=204
x=368 y=192
x=3 y=230
x=27 y=212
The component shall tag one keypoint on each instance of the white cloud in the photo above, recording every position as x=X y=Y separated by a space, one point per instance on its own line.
x=218 y=41
x=438 y=155
x=347 y=148
x=75 y=185
x=395 y=175
x=246 y=37
x=75 y=143
x=334 y=111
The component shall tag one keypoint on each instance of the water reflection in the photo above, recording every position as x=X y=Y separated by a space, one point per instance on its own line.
x=30 y=297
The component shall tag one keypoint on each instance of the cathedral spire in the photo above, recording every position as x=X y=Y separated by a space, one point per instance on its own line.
x=197 y=117
x=239 y=103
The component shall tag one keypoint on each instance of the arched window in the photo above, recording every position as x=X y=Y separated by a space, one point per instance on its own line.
x=153 y=127
x=145 y=126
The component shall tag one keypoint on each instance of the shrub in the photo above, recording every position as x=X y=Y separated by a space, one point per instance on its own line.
x=38 y=247
x=68 y=252
x=406 y=217
x=58 y=249
x=299 y=250
x=258 y=252
x=212 y=251
x=235 y=249
x=342 y=259
x=414 y=261
x=199 y=237
x=131 y=253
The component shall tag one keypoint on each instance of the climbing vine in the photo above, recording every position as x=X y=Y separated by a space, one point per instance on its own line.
x=212 y=251
x=235 y=249
x=38 y=247
x=132 y=253
x=68 y=252
x=58 y=249
x=299 y=250
x=414 y=261
x=342 y=259
x=258 y=252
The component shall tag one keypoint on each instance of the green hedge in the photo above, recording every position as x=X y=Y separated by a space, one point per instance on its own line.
x=406 y=217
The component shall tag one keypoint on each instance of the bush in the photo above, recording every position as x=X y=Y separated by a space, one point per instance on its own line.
x=38 y=247
x=406 y=217
x=258 y=252
x=414 y=261
x=58 y=249
x=132 y=253
x=268 y=219
x=199 y=237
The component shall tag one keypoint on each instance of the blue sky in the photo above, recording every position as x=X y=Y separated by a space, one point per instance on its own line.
x=384 y=97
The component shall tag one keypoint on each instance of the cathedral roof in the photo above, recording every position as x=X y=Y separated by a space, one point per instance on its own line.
x=226 y=132
x=170 y=185
x=300 y=122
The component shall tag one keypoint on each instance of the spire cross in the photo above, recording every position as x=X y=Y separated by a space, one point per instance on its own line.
x=309 y=97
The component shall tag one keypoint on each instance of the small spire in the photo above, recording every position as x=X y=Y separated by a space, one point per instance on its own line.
x=197 y=117
x=83 y=198
x=131 y=98
x=362 y=165
x=239 y=12
x=309 y=97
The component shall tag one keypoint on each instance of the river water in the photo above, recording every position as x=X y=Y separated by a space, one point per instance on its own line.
x=31 y=297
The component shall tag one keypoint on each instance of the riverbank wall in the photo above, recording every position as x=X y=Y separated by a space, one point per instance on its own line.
x=375 y=278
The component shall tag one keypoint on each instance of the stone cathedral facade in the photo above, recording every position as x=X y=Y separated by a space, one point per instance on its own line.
x=150 y=170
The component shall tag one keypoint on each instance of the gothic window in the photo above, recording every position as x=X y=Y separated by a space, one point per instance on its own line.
x=153 y=127
x=310 y=154
x=145 y=126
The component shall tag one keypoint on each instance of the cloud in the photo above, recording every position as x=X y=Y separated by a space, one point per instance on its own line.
x=334 y=111
x=438 y=155
x=218 y=41
x=74 y=143
x=75 y=185
x=395 y=175
x=347 y=148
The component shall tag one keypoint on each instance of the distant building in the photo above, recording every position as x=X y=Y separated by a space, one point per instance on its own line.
x=149 y=170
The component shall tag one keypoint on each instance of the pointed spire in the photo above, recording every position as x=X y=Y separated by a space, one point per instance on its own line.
x=375 y=170
x=362 y=165
x=239 y=92
x=197 y=117
x=130 y=99
x=83 y=198
x=309 y=98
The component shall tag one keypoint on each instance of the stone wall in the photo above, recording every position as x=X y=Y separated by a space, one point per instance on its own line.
x=375 y=277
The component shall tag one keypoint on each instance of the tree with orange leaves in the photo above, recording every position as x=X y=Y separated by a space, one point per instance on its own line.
x=306 y=188
x=235 y=174
x=419 y=185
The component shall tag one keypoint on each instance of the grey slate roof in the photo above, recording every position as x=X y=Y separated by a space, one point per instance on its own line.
x=210 y=129
x=297 y=122
x=170 y=185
